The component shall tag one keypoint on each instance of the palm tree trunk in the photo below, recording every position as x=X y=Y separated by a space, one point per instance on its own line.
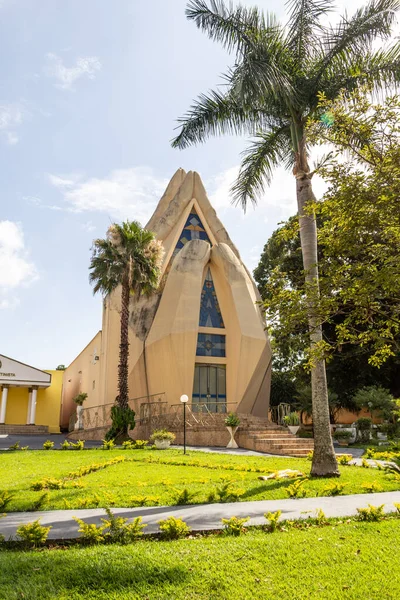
x=123 y=392
x=324 y=462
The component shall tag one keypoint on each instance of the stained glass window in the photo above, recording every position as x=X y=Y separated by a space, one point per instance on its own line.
x=210 y=312
x=209 y=344
x=193 y=230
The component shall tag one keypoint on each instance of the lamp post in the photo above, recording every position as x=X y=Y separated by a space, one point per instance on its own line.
x=184 y=399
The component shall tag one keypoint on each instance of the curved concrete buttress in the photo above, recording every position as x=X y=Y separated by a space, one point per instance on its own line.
x=252 y=346
x=171 y=342
x=166 y=198
x=175 y=207
x=210 y=215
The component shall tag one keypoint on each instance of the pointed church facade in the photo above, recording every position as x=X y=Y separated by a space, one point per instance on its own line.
x=202 y=334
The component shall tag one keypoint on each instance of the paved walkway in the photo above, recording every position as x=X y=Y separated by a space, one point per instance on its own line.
x=201 y=517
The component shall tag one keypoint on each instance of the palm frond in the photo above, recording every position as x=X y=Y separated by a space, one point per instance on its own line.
x=216 y=114
x=234 y=28
x=304 y=25
x=353 y=36
x=266 y=152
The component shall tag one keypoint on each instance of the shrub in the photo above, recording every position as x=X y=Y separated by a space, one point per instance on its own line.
x=365 y=463
x=223 y=493
x=333 y=489
x=65 y=445
x=291 y=419
x=79 y=445
x=370 y=487
x=47 y=483
x=183 y=497
x=122 y=419
x=273 y=519
x=40 y=502
x=48 y=445
x=108 y=444
x=80 y=398
x=234 y=525
x=310 y=455
x=121 y=531
x=232 y=420
x=128 y=445
x=173 y=528
x=144 y=500
x=342 y=434
x=364 y=428
x=296 y=490
x=139 y=444
x=344 y=459
x=15 y=446
x=162 y=434
x=397 y=507
x=5 y=499
x=320 y=517
x=372 y=513
x=90 y=532
x=370 y=453
x=33 y=534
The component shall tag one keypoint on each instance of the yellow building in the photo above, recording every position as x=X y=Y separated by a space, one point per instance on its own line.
x=202 y=334
x=29 y=397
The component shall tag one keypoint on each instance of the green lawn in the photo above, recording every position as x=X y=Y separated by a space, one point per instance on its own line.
x=151 y=477
x=346 y=561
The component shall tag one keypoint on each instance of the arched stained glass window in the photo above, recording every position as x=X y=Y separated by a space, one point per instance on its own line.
x=210 y=312
x=193 y=230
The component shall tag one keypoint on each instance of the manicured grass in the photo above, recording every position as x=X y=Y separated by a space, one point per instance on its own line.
x=345 y=561
x=151 y=477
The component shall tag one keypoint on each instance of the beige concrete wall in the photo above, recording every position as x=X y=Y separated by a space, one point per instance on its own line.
x=82 y=375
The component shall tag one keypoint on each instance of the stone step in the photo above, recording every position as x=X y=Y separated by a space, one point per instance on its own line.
x=24 y=429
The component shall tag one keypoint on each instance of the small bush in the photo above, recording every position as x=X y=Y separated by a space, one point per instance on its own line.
x=40 y=502
x=47 y=483
x=397 y=507
x=232 y=420
x=173 y=529
x=223 y=493
x=296 y=490
x=140 y=444
x=48 y=445
x=120 y=531
x=320 y=517
x=144 y=500
x=372 y=487
x=370 y=453
x=90 y=532
x=128 y=445
x=365 y=463
x=344 y=459
x=273 y=519
x=79 y=445
x=234 y=525
x=333 y=489
x=15 y=446
x=65 y=445
x=372 y=513
x=162 y=434
x=108 y=444
x=310 y=455
x=33 y=534
x=5 y=499
x=183 y=497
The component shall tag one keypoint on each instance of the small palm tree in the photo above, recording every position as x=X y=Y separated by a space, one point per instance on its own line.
x=129 y=257
x=271 y=92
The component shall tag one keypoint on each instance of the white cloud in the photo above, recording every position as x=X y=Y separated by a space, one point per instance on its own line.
x=85 y=66
x=11 y=116
x=126 y=193
x=16 y=269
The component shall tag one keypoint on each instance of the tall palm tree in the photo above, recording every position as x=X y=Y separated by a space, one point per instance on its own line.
x=129 y=257
x=270 y=92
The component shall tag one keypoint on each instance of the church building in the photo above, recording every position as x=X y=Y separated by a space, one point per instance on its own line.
x=201 y=334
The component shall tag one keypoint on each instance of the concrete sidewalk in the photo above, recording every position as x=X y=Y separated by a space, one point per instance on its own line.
x=201 y=517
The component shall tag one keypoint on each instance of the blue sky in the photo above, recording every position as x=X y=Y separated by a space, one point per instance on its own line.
x=90 y=91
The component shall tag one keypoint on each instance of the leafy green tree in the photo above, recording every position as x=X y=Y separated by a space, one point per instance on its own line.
x=271 y=92
x=129 y=257
x=376 y=400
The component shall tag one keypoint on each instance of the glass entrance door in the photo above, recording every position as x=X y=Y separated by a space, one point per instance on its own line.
x=209 y=388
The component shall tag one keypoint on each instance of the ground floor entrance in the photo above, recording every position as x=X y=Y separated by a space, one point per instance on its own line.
x=209 y=388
